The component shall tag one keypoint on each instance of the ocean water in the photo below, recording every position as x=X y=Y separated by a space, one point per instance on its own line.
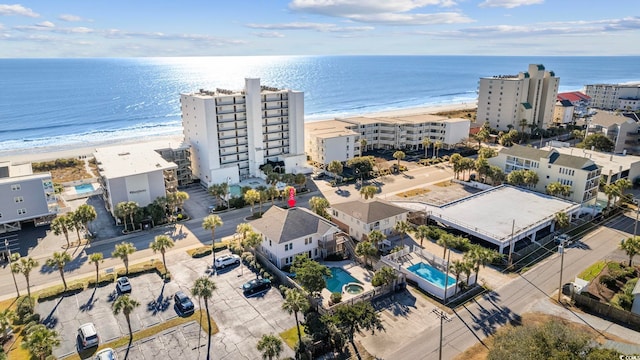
x=72 y=102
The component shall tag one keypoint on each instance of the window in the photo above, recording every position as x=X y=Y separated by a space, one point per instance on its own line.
x=18 y=199
x=269 y=242
x=15 y=187
x=22 y=211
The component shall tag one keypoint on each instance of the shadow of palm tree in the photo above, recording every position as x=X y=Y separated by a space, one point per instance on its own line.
x=89 y=304
x=51 y=320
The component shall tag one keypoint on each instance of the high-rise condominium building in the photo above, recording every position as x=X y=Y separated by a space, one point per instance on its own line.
x=614 y=96
x=508 y=101
x=233 y=133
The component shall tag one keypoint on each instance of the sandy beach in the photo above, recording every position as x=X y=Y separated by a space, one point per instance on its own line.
x=71 y=151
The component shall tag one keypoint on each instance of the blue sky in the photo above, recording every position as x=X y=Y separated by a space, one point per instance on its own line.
x=119 y=28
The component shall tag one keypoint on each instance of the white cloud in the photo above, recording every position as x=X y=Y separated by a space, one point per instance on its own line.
x=17 y=9
x=71 y=18
x=509 y=4
x=397 y=12
x=46 y=24
x=270 y=34
x=321 y=27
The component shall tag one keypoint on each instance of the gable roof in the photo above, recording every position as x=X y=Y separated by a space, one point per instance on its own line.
x=608 y=119
x=556 y=158
x=284 y=225
x=369 y=211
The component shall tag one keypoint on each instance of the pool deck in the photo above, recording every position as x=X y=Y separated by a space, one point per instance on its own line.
x=361 y=274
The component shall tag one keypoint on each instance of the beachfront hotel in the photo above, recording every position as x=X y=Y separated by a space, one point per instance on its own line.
x=25 y=197
x=614 y=96
x=581 y=173
x=234 y=132
x=505 y=100
x=340 y=139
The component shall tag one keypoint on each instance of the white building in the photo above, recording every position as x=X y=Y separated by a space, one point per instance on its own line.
x=326 y=141
x=563 y=113
x=25 y=197
x=358 y=218
x=340 y=138
x=294 y=231
x=137 y=174
x=233 y=133
x=582 y=174
x=622 y=130
x=614 y=96
x=505 y=100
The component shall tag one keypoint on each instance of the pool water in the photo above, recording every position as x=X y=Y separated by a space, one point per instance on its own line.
x=84 y=188
x=431 y=274
x=353 y=289
x=338 y=279
x=235 y=191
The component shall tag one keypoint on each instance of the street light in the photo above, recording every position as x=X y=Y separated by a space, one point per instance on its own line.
x=561 y=251
x=6 y=248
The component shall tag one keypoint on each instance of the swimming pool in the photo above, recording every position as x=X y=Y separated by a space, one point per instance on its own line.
x=235 y=191
x=84 y=188
x=339 y=278
x=431 y=274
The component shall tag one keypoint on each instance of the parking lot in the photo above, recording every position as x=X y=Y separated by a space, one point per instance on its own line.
x=241 y=321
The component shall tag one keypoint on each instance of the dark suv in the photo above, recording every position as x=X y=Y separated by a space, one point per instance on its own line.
x=256 y=286
x=184 y=305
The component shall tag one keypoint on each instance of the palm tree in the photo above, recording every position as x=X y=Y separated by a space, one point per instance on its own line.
x=368 y=191
x=479 y=255
x=384 y=277
x=363 y=145
x=85 y=214
x=203 y=289
x=457 y=268
x=399 y=155
x=561 y=219
x=59 y=260
x=243 y=229
x=422 y=232
x=402 y=227
x=437 y=146
x=623 y=184
x=295 y=301
x=631 y=246
x=272 y=193
x=445 y=240
x=335 y=167
x=270 y=345
x=376 y=237
x=59 y=227
x=6 y=319
x=425 y=143
x=125 y=304
x=319 y=206
x=161 y=243
x=251 y=197
x=366 y=249
x=121 y=212
x=24 y=266
x=75 y=222
x=40 y=341
x=612 y=191
x=122 y=251
x=96 y=258
x=212 y=222
x=131 y=208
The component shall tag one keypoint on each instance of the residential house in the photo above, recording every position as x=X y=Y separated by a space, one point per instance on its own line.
x=563 y=113
x=359 y=217
x=623 y=131
x=294 y=231
x=580 y=101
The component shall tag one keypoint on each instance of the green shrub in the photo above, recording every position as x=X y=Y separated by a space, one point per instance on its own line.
x=608 y=281
x=24 y=309
x=103 y=280
x=56 y=291
x=333 y=257
x=237 y=202
x=336 y=297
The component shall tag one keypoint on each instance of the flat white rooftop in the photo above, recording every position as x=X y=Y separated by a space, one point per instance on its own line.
x=121 y=161
x=493 y=212
x=609 y=161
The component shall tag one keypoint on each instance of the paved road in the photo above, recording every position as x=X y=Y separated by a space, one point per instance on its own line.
x=476 y=320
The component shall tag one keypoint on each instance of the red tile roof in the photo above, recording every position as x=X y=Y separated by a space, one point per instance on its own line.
x=573 y=96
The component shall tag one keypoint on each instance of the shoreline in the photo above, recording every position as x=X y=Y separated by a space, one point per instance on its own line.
x=48 y=153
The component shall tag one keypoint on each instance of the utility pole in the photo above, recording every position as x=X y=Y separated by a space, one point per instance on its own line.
x=561 y=251
x=443 y=317
x=513 y=226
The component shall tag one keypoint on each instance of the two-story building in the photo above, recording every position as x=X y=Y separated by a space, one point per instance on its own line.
x=294 y=231
x=25 y=197
x=358 y=218
x=623 y=131
x=582 y=174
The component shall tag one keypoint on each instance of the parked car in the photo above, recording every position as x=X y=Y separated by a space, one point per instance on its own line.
x=226 y=260
x=88 y=336
x=184 y=305
x=106 y=354
x=256 y=286
x=123 y=285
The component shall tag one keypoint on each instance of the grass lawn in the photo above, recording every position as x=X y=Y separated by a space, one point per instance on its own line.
x=290 y=336
x=592 y=271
